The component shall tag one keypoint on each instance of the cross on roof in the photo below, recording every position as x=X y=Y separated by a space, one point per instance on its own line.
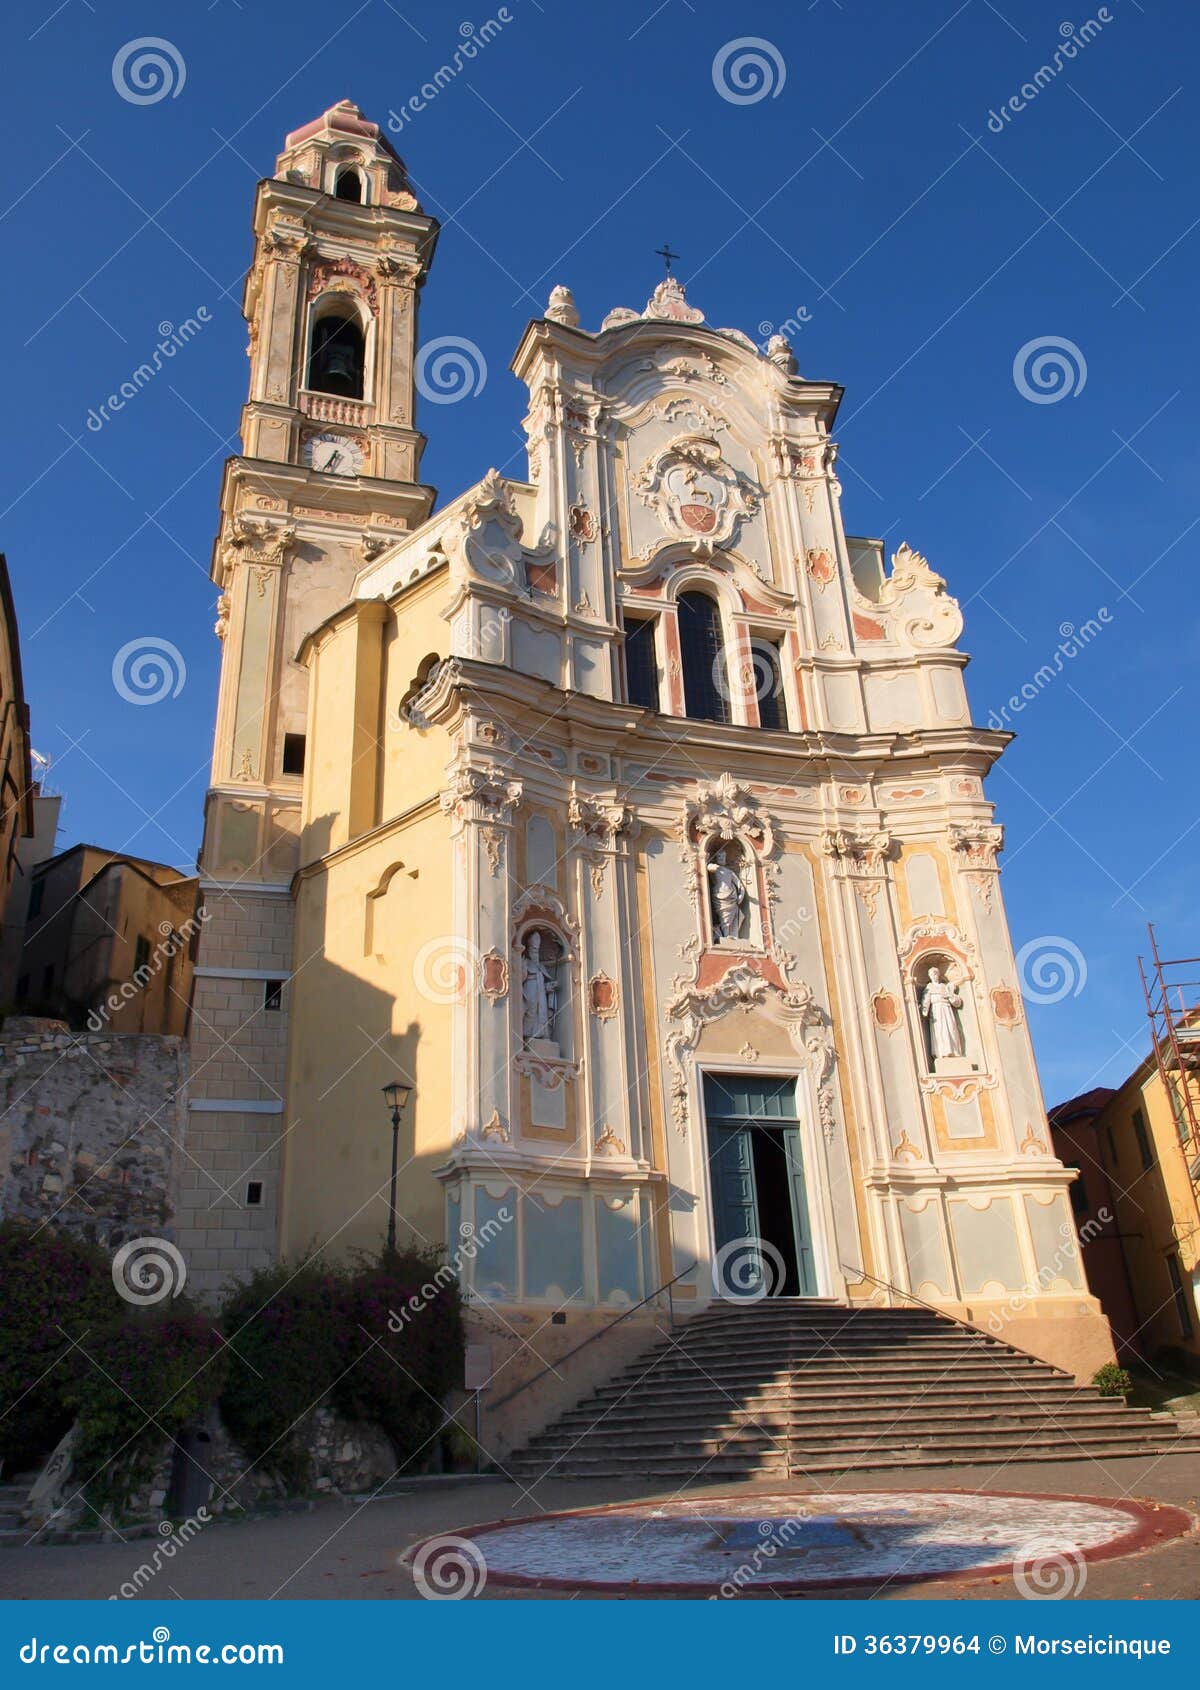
x=668 y=257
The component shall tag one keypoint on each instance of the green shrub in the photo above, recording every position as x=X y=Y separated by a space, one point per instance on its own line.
x=153 y=1372
x=381 y=1341
x=404 y=1323
x=285 y=1331
x=1112 y=1381
x=57 y=1289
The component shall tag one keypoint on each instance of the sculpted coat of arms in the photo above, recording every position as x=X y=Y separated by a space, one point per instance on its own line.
x=694 y=492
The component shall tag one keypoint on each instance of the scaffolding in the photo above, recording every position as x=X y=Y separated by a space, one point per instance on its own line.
x=1172 y=988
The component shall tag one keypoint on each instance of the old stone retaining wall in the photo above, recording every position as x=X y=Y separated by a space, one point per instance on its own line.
x=91 y=1129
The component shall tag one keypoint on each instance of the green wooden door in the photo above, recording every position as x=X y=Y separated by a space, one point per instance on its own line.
x=802 y=1226
x=735 y=1207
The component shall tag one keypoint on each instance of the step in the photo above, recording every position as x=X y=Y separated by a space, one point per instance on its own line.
x=949 y=1430
x=725 y=1468
x=796 y=1425
x=830 y=1399
x=732 y=1382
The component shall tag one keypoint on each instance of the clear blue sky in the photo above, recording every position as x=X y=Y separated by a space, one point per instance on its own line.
x=866 y=195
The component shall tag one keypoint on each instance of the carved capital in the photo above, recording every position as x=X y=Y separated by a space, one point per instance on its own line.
x=480 y=795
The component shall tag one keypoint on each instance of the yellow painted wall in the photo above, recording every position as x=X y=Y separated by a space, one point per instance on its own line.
x=1157 y=1209
x=375 y=953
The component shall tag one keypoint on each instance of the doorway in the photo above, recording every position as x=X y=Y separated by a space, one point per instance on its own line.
x=762 y=1234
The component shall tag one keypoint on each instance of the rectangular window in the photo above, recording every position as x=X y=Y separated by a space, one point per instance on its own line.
x=641 y=663
x=293 y=754
x=768 y=684
x=1145 y=1149
x=1079 y=1200
x=1112 y=1146
x=1179 y=1290
x=37 y=893
x=47 y=980
x=254 y=1194
x=273 y=994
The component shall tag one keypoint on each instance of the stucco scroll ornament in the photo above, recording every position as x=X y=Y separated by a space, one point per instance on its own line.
x=723 y=809
x=480 y=795
x=286 y=240
x=863 y=854
x=597 y=825
x=695 y=494
x=923 y=613
x=743 y=987
x=486 y=542
x=258 y=541
x=977 y=844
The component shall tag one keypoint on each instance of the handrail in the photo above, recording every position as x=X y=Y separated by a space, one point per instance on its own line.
x=603 y=1331
x=886 y=1285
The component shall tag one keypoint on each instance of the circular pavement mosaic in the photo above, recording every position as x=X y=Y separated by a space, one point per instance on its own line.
x=768 y=1543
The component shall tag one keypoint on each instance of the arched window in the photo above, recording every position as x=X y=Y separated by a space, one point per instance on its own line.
x=705 y=677
x=349 y=185
x=335 y=361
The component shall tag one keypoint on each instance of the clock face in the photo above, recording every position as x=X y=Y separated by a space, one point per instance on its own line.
x=333 y=454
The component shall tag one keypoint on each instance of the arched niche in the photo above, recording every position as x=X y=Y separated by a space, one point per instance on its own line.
x=373 y=907
x=941 y=993
x=733 y=893
x=350 y=184
x=544 y=967
x=337 y=347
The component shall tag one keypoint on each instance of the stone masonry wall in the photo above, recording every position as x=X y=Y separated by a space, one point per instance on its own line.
x=91 y=1129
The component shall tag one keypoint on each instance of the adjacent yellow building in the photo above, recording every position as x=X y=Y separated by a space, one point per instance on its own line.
x=1136 y=1153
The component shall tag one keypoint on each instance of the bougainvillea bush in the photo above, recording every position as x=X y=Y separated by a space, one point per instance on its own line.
x=151 y=1373
x=380 y=1341
x=406 y=1350
x=57 y=1290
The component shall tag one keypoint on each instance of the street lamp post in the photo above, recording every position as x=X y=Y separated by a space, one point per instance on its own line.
x=396 y=1096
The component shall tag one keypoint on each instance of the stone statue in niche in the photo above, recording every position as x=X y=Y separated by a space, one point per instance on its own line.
x=539 y=995
x=728 y=897
x=941 y=1002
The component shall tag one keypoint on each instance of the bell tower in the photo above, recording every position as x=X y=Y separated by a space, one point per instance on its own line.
x=327 y=479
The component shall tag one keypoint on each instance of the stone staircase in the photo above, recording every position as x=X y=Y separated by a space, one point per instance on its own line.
x=782 y=1387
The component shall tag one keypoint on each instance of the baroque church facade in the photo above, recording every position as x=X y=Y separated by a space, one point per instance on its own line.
x=632 y=813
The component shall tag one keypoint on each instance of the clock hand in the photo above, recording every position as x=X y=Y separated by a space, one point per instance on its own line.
x=335 y=458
